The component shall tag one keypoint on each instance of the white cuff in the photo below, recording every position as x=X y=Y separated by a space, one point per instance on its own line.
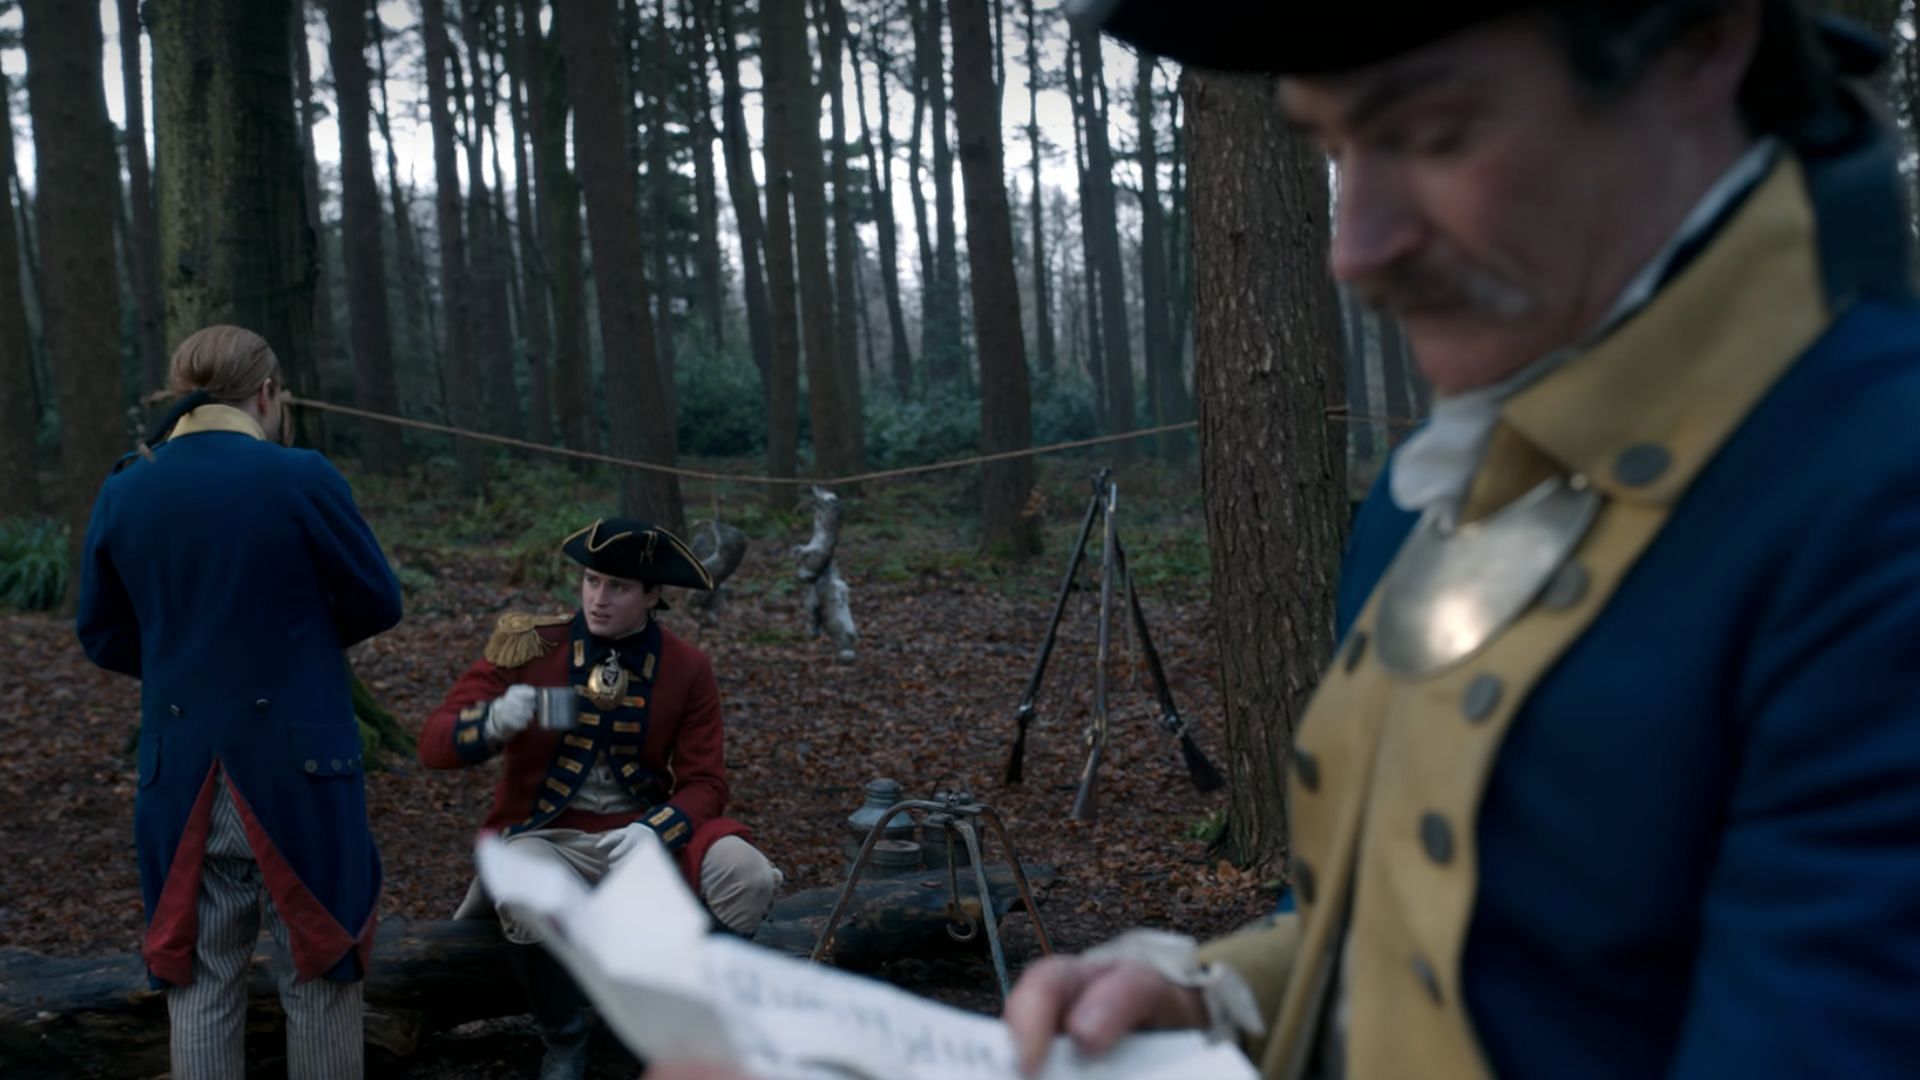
x=1232 y=1010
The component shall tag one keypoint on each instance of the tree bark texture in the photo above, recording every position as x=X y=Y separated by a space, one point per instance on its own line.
x=1104 y=240
x=743 y=191
x=456 y=293
x=785 y=36
x=1006 y=420
x=638 y=421
x=1272 y=468
x=77 y=176
x=19 y=411
x=144 y=251
x=547 y=106
x=360 y=228
x=846 y=245
x=880 y=166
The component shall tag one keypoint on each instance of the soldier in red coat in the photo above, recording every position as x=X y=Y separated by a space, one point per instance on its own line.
x=638 y=745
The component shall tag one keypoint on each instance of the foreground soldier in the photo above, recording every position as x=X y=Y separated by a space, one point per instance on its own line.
x=645 y=752
x=227 y=573
x=1617 y=769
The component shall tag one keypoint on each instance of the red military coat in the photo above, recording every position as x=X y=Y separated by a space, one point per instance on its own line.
x=663 y=735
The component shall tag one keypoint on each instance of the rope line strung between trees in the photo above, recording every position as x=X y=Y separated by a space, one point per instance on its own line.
x=1338 y=414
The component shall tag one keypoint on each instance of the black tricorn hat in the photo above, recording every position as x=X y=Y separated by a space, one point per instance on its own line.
x=640 y=551
x=1285 y=37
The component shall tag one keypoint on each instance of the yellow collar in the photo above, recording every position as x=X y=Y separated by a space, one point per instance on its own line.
x=1643 y=412
x=218 y=418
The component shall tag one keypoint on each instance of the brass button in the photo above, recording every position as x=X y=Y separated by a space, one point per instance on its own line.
x=261 y=705
x=1303 y=882
x=312 y=765
x=1640 y=465
x=1307 y=768
x=1429 y=980
x=1482 y=697
x=1356 y=649
x=1568 y=587
x=336 y=764
x=1436 y=836
x=173 y=710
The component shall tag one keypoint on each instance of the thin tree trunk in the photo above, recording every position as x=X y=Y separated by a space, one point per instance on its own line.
x=1042 y=305
x=743 y=192
x=547 y=108
x=76 y=177
x=1105 y=244
x=637 y=413
x=456 y=292
x=522 y=73
x=1089 y=265
x=1179 y=250
x=329 y=380
x=492 y=340
x=660 y=201
x=706 y=196
x=1006 y=421
x=1271 y=468
x=1166 y=387
x=784 y=44
x=846 y=249
x=360 y=224
x=1393 y=364
x=143 y=254
x=783 y=320
x=929 y=287
x=880 y=166
x=946 y=361
x=19 y=410
x=413 y=284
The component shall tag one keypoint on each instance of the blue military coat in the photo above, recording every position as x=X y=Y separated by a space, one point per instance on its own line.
x=228 y=574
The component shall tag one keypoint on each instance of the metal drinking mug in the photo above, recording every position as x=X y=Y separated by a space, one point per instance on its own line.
x=559 y=708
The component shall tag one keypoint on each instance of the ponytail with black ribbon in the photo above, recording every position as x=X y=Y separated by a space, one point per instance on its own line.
x=162 y=430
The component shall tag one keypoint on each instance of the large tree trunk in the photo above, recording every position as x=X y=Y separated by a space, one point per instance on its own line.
x=144 y=252
x=420 y=358
x=1166 y=388
x=456 y=293
x=1006 y=421
x=945 y=356
x=783 y=385
x=1272 y=469
x=331 y=383
x=880 y=166
x=846 y=249
x=536 y=326
x=547 y=108
x=1042 y=306
x=1116 y=346
x=492 y=339
x=743 y=192
x=77 y=176
x=360 y=227
x=640 y=424
x=19 y=411
x=660 y=201
x=706 y=196
x=784 y=36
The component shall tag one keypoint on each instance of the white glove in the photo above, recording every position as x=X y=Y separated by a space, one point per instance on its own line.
x=511 y=713
x=619 y=843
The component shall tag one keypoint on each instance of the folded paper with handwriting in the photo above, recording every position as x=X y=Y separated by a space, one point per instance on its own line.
x=640 y=949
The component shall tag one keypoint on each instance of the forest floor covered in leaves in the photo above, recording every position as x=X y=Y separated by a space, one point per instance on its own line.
x=947 y=640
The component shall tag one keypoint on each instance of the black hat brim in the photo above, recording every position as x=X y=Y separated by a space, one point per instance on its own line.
x=637 y=551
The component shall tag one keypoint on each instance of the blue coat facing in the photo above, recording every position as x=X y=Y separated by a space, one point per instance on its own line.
x=228 y=574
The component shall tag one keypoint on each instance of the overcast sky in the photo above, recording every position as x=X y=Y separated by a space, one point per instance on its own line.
x=414 y=145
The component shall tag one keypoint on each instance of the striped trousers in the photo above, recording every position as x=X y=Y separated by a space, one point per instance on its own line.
x=208 y=1017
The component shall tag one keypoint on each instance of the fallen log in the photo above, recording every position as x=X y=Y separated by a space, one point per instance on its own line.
x=94 y=1016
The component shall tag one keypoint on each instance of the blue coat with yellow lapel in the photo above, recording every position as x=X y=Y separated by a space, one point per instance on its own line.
x=228 y=574
x=1679 y=837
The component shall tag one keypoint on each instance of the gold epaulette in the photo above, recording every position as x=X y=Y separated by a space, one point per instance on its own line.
x=516 y=638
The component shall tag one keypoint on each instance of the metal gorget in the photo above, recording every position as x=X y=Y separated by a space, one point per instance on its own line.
x=1449 y=593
